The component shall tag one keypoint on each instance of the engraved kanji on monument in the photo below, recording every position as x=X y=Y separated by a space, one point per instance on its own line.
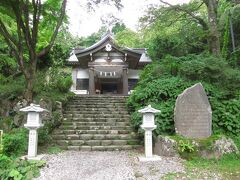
x=193 y=114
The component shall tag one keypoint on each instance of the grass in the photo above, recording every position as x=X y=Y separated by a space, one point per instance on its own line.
x=54 y=150
x=227 y=168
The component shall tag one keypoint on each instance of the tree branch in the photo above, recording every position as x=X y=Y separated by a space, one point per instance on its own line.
x=26 y=21
x=197 y=18
x=49 y=46
x=6 y=34
x=37 y=7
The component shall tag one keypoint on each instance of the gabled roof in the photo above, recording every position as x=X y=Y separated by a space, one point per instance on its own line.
x=107 y=38
x=136 y=55
x=33 y=108
x=149 y=109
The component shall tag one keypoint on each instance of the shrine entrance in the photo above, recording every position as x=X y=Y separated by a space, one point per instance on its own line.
x=109 y=88
x=106 y=68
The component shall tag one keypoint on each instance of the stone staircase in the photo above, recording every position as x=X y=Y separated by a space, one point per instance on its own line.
x=96 y=123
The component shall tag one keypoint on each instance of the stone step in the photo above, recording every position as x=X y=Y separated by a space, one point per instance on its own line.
x=96 y=119
x=95 y=109
x=77 y=131
x=95 y=127
x=94 y=112
x=100 y=148
x=95 y=106
x=77 y=142
x=99 y=97
x=80 y=115
x=102 y=102
x=62 y=136
x=96 y=123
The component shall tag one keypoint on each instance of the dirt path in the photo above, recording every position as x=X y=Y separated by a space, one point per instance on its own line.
x=123 y=165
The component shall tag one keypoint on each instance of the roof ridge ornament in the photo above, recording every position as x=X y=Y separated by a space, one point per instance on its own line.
x=108 y=47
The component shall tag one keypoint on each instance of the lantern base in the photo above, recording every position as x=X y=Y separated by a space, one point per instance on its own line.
x=146 y=159
x=38 y=157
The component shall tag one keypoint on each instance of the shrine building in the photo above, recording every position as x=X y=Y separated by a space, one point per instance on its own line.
x=106 y=68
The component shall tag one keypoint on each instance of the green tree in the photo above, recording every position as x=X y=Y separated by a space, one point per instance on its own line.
x=193 y=11
x=128 y=38
x=30 y=28
x=28 y=18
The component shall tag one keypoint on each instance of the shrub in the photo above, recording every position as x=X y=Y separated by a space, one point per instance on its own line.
x=64 y=83
x=161 y=82
x=19 y=169
x=161 y=94
x=15 y=142
x=44 y=133
x=11 y=87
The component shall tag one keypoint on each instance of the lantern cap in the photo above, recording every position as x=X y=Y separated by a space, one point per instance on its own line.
x=33 y=108
x=149 y=109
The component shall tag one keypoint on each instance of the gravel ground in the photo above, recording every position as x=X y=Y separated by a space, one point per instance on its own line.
x=116 y=165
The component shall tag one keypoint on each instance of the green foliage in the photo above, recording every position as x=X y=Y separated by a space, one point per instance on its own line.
x=226 y=39
x=118 y=27
x=161 y=82
x=19 y=169
x=6 y=123
x=1 y=141
x=161 y=94
x=228 y=166
x=226 y=115
x=11 y=87
x=53 y=84
x=63 y=84
x=170 y=32
x=44 y=133
x=15 y=142
x=128 y=38
x=54 y=150
x=185 y=146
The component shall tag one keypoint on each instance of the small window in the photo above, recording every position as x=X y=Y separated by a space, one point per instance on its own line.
x=132 y=83
x=82 y=84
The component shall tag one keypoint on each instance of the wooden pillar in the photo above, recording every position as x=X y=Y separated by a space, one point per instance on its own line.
x=74 y=79
x=91 y=81
x=125 y=82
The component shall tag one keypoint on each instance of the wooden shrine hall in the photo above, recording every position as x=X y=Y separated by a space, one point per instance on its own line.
x=106 y=68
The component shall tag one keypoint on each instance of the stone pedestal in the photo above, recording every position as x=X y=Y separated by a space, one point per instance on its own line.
x=148 y=143
x=32 y=143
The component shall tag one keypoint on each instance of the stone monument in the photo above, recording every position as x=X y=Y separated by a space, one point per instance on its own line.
x=193 y=114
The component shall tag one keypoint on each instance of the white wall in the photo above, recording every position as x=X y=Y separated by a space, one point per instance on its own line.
x=82 y=74
x=133 y=74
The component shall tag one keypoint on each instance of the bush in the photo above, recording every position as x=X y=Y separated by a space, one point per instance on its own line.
x=161 y=94
x=12 y=87
x=18 y=169
x=161 y=82
x=44 y=133
x=15 y=142
x=64 y=83
x=53 y=84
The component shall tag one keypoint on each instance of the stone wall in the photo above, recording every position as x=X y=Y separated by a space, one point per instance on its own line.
x=169 y=146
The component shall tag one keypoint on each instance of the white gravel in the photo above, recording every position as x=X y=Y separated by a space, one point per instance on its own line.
x=116 y=165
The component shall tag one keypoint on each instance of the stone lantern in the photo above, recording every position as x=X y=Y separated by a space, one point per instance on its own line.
x=148 y=126
x=34 y=122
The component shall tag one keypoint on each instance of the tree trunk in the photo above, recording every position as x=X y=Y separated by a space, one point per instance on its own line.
x=29 y=90
x=214 y=41
x=30 y=79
